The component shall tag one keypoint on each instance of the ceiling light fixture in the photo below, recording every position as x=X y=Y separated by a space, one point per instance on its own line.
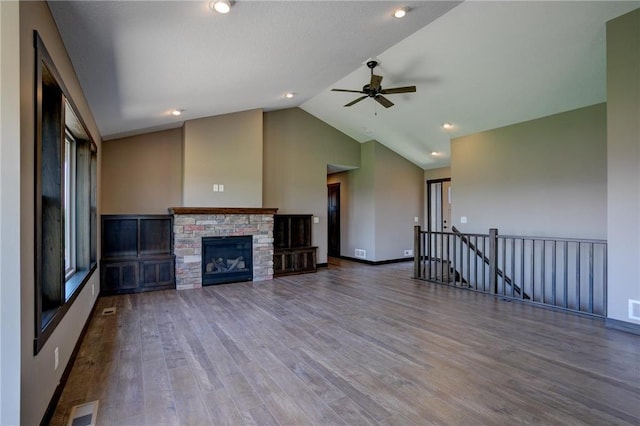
x=289 y=95
x=220 y=6
x=176 y=112
x=447 y=126
x=400 y=13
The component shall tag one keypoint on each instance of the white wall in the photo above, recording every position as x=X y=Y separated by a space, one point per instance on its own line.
x=225 y=149
x=9 y=213
x=544 y=177
x=623 y=157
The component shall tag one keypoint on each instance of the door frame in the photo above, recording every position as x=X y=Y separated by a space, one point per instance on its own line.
x=430 y=182
x=331 y=186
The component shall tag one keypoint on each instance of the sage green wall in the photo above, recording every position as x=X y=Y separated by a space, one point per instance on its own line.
x=142 y=174
x=379 y=202
x=297 y=149
x=623 y=157
x=38 y=377
x=9 y=213
x=225 y=149
x=544 y=177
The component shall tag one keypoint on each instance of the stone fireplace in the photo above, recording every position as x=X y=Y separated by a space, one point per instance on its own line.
x=192 y=224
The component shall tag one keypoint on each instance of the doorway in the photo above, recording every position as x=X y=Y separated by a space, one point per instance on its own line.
x=439 y=205
x=333 y=203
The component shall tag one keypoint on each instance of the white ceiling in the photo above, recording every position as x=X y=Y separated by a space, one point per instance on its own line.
x=478 y=65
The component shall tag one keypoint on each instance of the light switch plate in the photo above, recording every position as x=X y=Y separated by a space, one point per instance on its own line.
x=316 y=219
x=463 y=219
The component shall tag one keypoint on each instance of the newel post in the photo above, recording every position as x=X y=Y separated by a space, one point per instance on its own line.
x=493 y=260
x=416 y=251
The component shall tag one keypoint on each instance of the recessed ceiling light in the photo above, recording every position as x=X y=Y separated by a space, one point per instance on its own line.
x=176 y=112
x=289 y=95
x=435 y=153
x=220 y=6
x=447 y=126
x=400 y=13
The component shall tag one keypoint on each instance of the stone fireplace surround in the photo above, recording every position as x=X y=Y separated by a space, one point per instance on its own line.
x=190 y=224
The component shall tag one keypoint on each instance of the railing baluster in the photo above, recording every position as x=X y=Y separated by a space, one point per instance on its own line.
x=566 y=274
x=553 y=273
x=522 y=270
x=543 y=270
x=513 y=265
x=590 y=278
x=578 y=305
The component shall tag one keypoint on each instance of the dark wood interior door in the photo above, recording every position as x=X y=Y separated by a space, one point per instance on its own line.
x=334 y=219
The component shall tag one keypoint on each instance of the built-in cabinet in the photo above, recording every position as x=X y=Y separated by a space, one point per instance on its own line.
x=293 y=252
x=137 y=253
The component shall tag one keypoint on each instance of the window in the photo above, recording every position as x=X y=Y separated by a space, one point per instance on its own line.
x=69 y=205
x=65 y=225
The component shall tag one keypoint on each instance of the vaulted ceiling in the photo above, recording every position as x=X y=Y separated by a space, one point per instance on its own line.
x=477 y=65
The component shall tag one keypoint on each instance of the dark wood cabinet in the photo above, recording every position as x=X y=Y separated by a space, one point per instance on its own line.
x=137 y=253
x=293 y=252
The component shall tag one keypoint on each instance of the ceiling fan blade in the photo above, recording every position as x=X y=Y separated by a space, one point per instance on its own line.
x=394 y=90
x=356 y=101
x=375 y=82
x=345 y=90
x=383 y=101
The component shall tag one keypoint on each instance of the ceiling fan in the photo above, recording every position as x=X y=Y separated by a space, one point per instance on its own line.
x=374 y=89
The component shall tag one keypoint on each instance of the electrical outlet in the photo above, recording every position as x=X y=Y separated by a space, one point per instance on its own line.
x=56 y=359
x=408 y=252
x=361 y=253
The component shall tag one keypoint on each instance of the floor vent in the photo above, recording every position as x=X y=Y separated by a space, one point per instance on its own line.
x=84 y=415
x=109 y=311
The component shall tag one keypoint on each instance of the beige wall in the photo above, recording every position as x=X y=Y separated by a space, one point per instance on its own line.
x=227 y=150
x=142 y=174
x=38 y=377
x=398 y=200
x=10 y=213
x=545 y=177
x=379 y=202
x=623 y=158
x=297 y=149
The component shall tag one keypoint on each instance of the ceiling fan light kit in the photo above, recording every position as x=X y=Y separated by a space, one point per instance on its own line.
x=374 y=89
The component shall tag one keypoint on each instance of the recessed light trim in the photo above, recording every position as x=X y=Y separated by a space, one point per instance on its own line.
x=400 y=13
x=220 y=6
x=289 y=95
x=447 y=126
x=435 y=153
x=176 y=112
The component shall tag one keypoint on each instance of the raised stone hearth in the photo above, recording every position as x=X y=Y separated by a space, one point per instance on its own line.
x=191 y=224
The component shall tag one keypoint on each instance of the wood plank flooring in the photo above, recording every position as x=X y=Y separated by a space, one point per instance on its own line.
x=349 y=345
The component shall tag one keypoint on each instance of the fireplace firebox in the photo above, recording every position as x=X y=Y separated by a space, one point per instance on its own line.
x=227 y=259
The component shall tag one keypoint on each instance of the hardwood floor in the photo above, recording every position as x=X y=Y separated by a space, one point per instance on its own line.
x=351 y=344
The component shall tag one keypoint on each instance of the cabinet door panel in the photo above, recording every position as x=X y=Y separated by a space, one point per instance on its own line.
x=156 y=273
x=120 y=276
